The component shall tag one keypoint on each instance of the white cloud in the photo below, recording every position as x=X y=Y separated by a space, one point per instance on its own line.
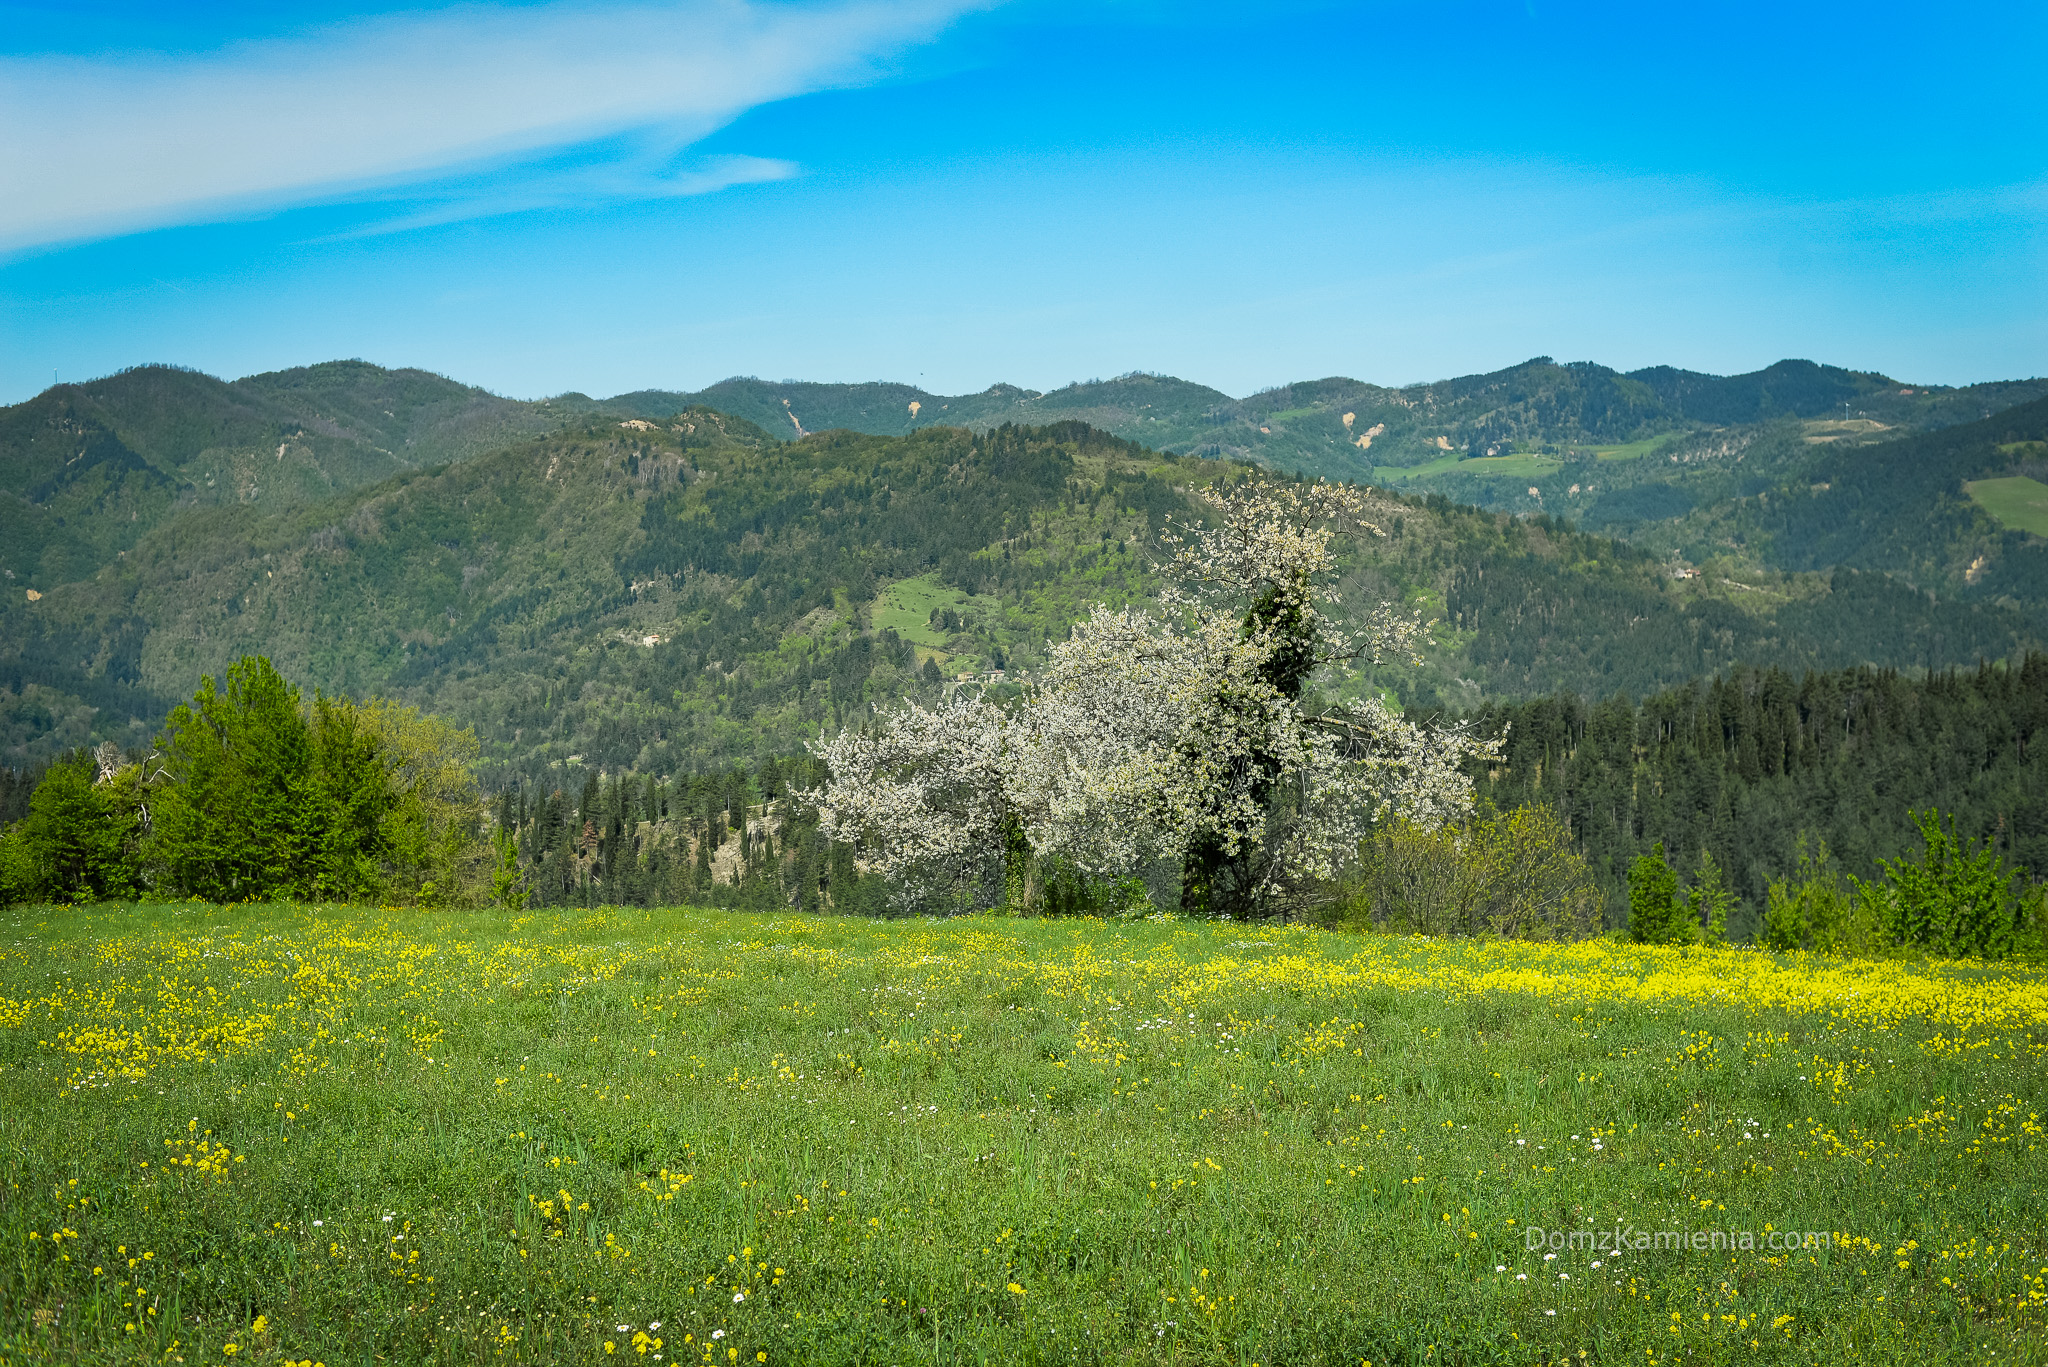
x=548 y=184
x=95 y=146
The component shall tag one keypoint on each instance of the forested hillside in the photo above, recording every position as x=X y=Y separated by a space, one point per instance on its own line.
x=1753 y=764
x=87 y=469
x=1902 y=507
x=663 y=597
x=622 y=595
x=1796 y=497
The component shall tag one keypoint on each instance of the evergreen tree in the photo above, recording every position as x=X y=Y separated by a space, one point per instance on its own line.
x=240 y=819
x=1710 y=902
x=1957 y=898
x=507 y=889
x=1654 y=914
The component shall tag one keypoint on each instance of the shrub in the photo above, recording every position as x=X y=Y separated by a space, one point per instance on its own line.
x=79 y=840
x=1512 y=874
x=1957 y=900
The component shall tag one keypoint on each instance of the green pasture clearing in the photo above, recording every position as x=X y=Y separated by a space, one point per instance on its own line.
x=1633 y=449
x=1517 y=465
x=908 y=604
x=2015 y=502
x=270 y=1134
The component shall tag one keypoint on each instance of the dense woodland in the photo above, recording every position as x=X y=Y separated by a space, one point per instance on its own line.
x=1758 y=766
x=1771 y=503
x=694 y=596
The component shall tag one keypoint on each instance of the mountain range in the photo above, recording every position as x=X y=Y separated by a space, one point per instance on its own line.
x=635 y=583
x=87 y=469
x=1348 y=429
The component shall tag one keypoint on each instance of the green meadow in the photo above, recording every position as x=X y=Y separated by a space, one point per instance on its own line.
x=340 y=1135
x=2016 y=503
x=906 y=607
x=1518 y=465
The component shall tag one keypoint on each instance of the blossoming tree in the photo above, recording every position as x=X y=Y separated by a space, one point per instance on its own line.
x=1195 y=734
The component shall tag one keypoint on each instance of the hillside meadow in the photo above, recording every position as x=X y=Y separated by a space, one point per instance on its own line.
x=321 y=1134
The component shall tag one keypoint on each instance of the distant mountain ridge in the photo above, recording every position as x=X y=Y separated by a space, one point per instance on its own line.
x=87 y=470
x=1345 y=428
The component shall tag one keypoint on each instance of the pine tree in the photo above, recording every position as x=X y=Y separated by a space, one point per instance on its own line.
x=1710 y=902
x=506 y=888
x=1654 y=914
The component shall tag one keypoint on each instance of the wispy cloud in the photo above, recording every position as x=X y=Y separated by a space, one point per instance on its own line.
x=486 y=100
x=578 y=178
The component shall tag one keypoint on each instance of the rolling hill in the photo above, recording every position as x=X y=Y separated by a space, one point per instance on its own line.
x=664 y=596
x=86 y=470
x=1955 y=511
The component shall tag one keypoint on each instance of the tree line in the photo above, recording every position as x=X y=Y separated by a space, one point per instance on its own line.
x=1788 y=811
x=252 y=792
x=740 y=837
x=1758 y=769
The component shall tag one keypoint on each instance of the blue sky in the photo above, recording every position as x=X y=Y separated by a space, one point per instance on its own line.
x=607 y=197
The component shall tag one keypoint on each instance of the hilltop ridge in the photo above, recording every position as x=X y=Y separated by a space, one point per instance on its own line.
x=1351 y=429
x=87 y=469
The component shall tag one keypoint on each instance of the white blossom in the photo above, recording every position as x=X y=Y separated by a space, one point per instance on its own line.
x=1148 y=732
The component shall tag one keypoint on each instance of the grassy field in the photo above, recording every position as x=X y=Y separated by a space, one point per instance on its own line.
x=341 y=1136
x=1516 y=464
x=1631 y=450
x=1519 y=465
x=2018 y=503
x=907 y=606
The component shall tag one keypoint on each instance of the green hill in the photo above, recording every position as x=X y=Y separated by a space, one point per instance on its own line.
x=663 y=596
x=1952 y=512
x=1539 y=411
x=88 y=469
